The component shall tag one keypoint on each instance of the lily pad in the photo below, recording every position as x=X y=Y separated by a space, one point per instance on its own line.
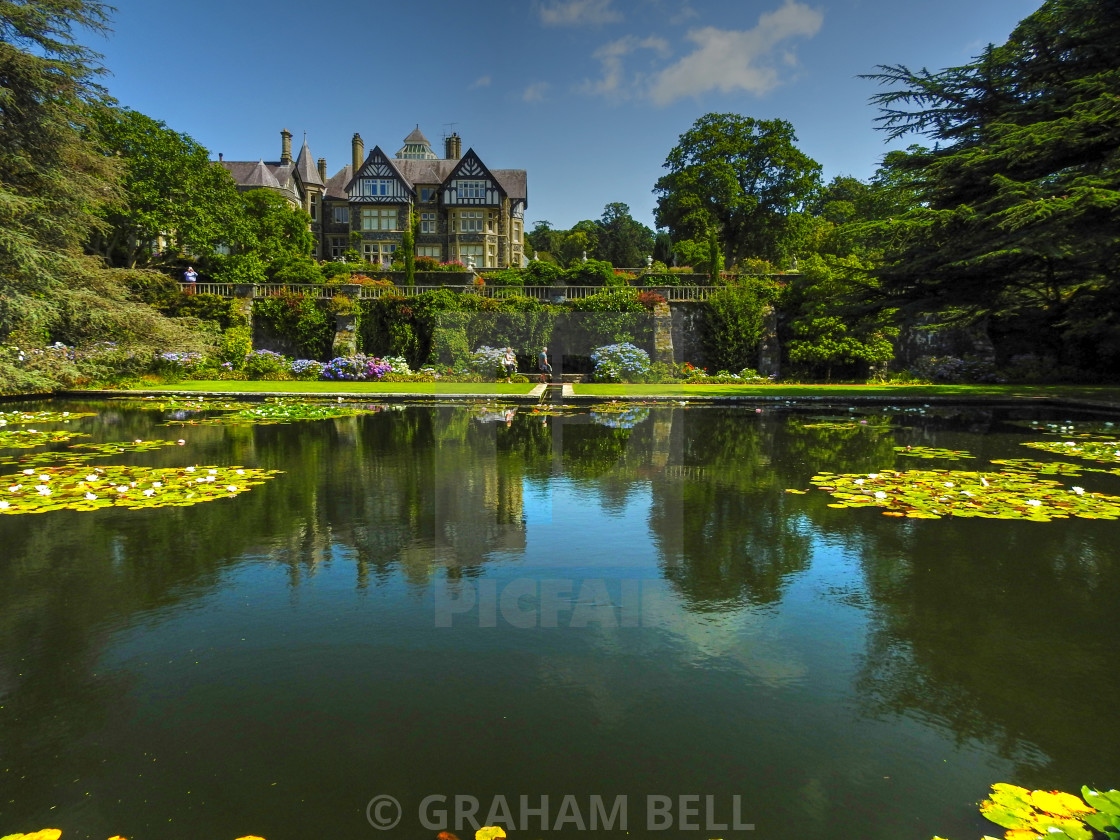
x=79 y=453
x=874 y=425
x=30 y=438
x=929 y=452
x=13 y=418
x=1097 y=431
x=1105 y=452
x=1042 y=467
x=80 y=487
x=933 y=494
x=279 y=412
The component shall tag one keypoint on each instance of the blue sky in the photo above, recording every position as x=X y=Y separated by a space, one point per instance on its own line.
x=589 y=96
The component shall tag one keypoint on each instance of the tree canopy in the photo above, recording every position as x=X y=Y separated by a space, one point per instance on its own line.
x=1021 y=195
x=745 y=177
x=54 y=182
x=171 y=188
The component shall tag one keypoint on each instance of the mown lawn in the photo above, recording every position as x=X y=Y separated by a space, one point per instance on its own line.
x=239 y=387
x=1103 y=393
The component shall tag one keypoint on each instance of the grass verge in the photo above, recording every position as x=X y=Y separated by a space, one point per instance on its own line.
x=1105 y=394
x=227 y=386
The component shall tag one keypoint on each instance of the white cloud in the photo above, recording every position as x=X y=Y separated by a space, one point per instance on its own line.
x=684 y=14
x=535 y=92
x=578 y=13
x=729 y=60
x=480 y=82
x=611 y=55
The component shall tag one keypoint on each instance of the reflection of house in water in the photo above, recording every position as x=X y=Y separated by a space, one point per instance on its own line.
x=453 y=503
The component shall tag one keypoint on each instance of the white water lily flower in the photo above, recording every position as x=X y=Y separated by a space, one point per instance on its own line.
x=966 y=493
x=190 y=469
x=93 y=477
x=948 y=484
x=138 y=441
x=29 y=472
x=90 y=497
x=1080 y=491
x=181 y=442
x=879 y=494
x=858 y=481
x=873 y=475
x=44 y=478
x=232 y=488
x=241 y=472
x=43 y=490
x=122 y=488
x=15 y=488
x=1034 y=503
x=4 y=505
x=212 y=472
x=157 y=483
x=149 y=492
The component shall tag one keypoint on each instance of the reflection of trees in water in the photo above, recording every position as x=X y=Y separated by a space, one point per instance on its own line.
x=1004 y=633
x=719 y=515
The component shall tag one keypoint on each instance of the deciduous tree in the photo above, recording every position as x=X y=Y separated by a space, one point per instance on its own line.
x=744 y=176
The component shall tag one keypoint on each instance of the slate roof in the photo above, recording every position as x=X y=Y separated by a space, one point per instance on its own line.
x=336 y=184
x=272 y=174
x=305 y=166
x=417 y=136
x=513 y=181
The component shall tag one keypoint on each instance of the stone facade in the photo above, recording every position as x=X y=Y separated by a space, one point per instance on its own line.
x=464 y=211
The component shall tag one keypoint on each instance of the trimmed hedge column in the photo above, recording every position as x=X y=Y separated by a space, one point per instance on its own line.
x=243 y=294
x=344 y=304
x=662 y=333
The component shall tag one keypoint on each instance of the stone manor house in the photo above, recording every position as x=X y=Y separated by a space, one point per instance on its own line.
x=466 y=211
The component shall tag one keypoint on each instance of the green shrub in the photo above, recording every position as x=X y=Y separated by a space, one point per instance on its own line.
x=235 y=345
x=298 y=319
x=539 y=273
x=222 y=311
x=239 y=268
x=734 y=323
x=592 y=273
x=506 y=277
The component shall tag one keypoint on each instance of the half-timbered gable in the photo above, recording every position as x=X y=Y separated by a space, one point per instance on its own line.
x=472 y=184
x=379 y=182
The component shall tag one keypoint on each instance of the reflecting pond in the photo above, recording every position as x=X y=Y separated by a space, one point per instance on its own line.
x=495 y=604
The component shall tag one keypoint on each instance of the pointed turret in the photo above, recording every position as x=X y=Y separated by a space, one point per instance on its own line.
x=308 y=173
x=261 y=177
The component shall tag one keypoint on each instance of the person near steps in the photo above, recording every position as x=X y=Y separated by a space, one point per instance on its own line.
x=544 y=366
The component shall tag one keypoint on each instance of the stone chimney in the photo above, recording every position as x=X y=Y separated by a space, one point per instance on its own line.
x=453 y=146
x=323 y=170
x=285 y=147
x=359 y=151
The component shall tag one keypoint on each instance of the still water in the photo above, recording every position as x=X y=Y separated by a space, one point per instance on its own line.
x=431 y=602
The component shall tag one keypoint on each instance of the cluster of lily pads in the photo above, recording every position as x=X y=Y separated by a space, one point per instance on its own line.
x=1016 y=491
x=30 y=438
x=64 y=480
x=1104 y=451
x=933 y=494
x=78 y=487
x=1052 y=814
x=12 y=418
x=79 y=453
x=932 y=453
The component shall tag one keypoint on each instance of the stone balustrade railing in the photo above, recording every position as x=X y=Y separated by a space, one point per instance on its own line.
x=362 y=292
